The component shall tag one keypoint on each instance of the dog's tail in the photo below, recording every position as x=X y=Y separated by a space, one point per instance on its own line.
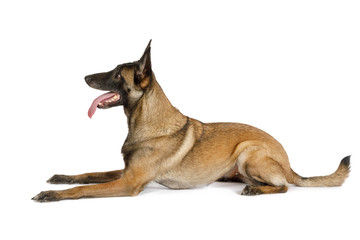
x=335 y=179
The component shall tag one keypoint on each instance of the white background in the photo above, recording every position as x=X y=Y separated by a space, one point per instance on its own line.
x=290 y=68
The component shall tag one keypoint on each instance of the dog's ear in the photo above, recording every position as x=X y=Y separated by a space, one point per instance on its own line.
x=143 y=70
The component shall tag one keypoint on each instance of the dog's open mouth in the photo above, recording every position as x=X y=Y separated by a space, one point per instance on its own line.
x=104 y=101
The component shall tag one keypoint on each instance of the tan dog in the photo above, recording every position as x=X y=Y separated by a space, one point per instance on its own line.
x=179 y=152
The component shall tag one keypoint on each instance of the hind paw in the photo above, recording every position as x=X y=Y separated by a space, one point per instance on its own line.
x=250 y=190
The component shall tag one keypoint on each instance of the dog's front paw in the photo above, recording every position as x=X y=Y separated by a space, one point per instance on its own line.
x=250 y=190
x=47 y=196
x=60 y=179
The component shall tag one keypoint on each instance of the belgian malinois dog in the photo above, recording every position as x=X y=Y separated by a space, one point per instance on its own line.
x=177 y=151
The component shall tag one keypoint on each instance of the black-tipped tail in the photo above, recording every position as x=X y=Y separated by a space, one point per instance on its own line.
x=335 y=179
x=346 y=162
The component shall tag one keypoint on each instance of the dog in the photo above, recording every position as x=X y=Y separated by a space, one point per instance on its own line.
x=177 y=151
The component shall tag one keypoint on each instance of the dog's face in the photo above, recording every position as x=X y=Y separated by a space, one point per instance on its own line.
x=126 y=83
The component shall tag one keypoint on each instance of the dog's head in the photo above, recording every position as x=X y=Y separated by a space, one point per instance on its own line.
x=126 y=83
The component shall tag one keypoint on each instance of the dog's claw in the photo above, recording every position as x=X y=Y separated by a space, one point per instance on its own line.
x=46 y=196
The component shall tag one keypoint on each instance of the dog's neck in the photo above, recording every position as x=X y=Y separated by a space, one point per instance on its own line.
x=153 y=116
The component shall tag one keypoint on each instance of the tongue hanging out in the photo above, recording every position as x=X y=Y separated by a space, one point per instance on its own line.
x=103 y=100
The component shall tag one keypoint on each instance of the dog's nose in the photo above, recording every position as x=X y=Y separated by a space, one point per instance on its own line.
x=88 y=79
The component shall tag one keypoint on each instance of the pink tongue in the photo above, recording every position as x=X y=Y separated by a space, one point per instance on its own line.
x=97 y=100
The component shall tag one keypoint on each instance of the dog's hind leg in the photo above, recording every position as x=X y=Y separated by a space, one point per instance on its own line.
x=268 y=173
x=86 y=178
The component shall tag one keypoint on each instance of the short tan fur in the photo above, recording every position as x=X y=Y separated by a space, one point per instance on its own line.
x=177 y=151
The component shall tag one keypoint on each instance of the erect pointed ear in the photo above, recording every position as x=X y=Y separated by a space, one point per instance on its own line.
x=143 y=70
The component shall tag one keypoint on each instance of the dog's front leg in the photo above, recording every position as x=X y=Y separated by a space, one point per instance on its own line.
x=86 y=178
x=131 y=183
